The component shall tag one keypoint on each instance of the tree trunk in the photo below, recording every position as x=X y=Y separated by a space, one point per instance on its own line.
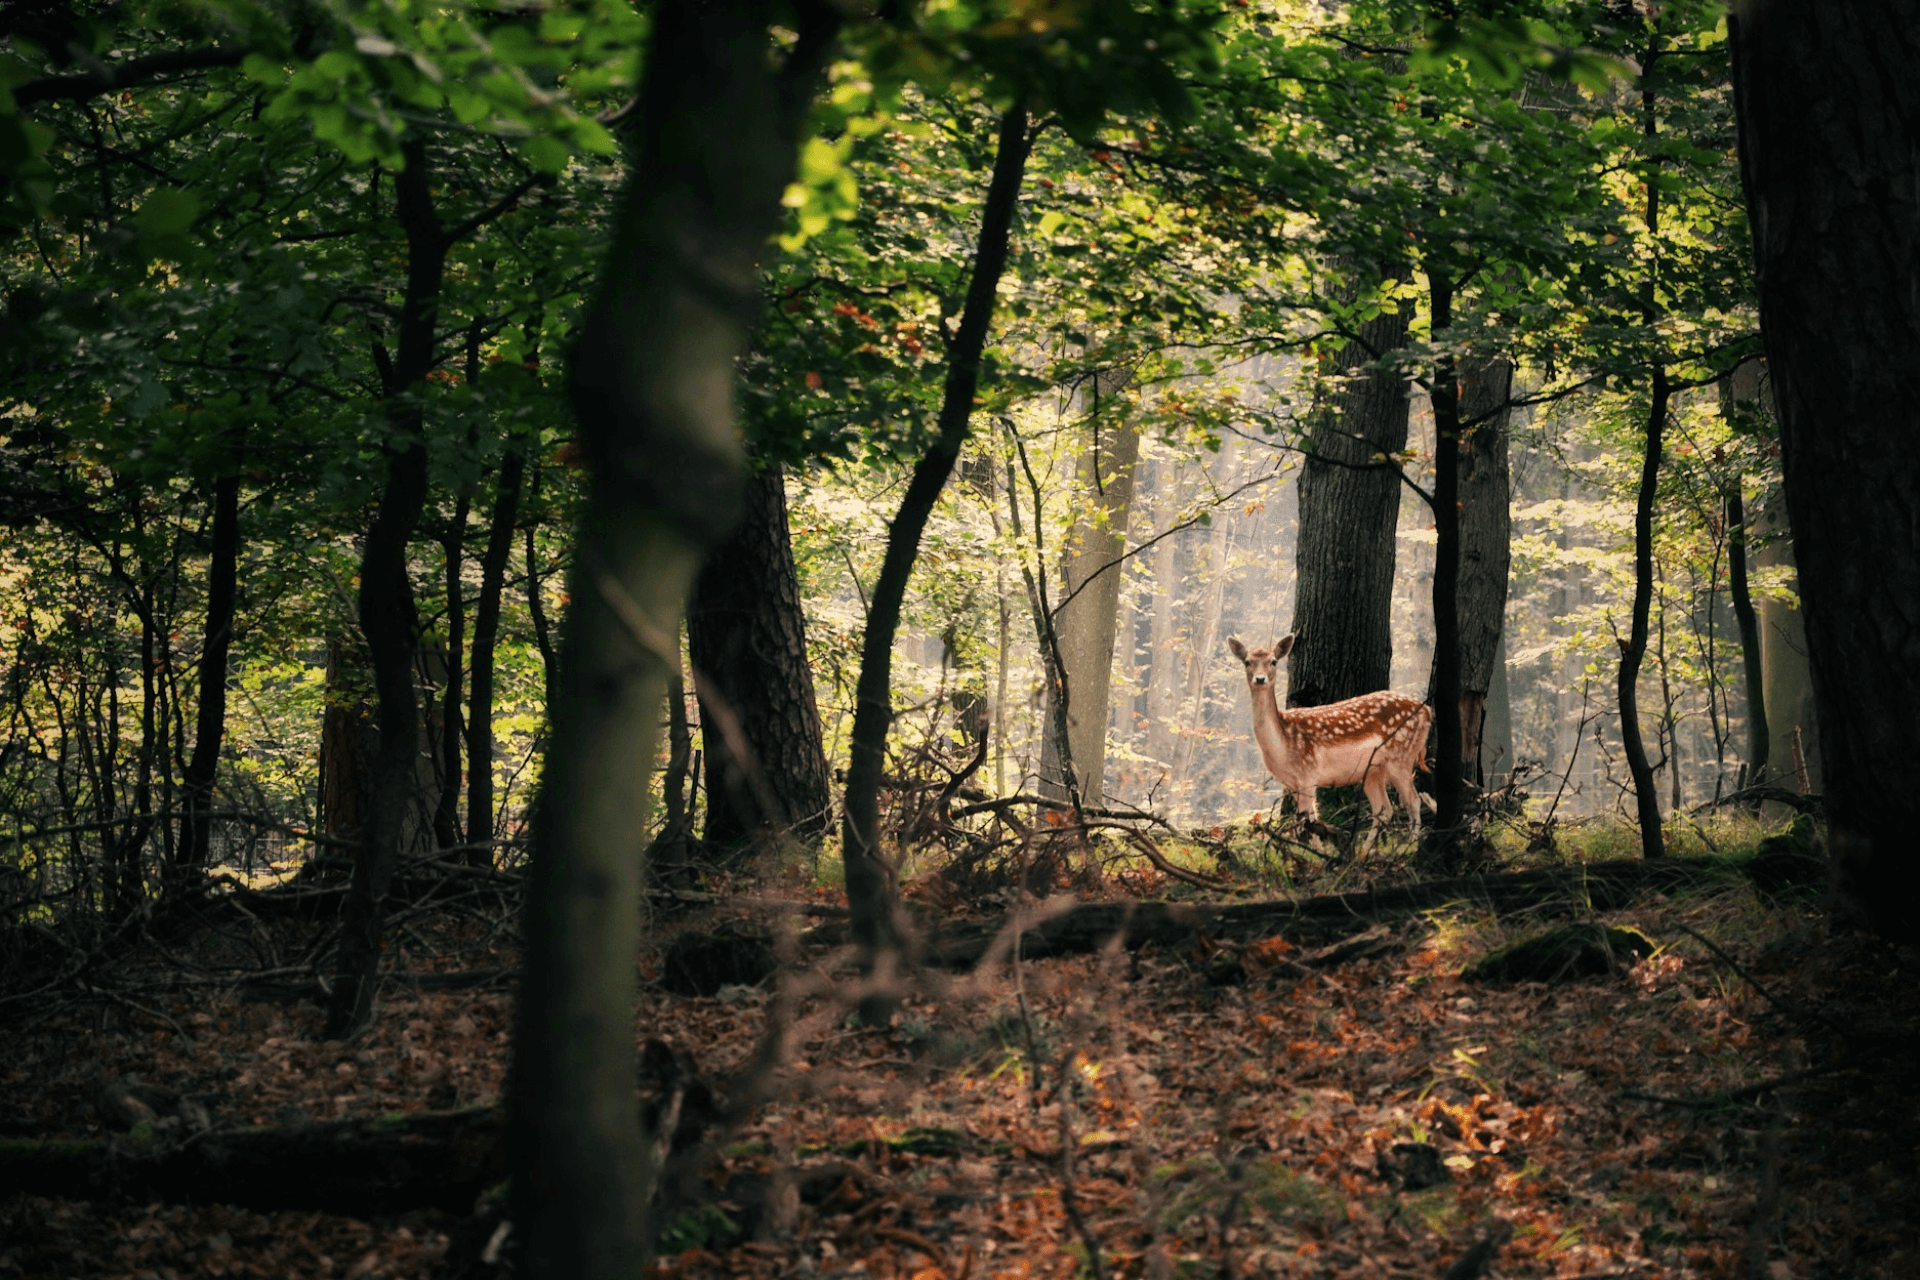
x=446 y=809
x=718 y=127
x=747 y=644
x=387 y=616
x=1740 y=393
x=1163 y=671
x=1486 y=548
x=486 y=636
x=1349 y=520
x=1633 y=650
x=1443 y=845
x=1786 y=681
x=1828 y=110
x=1085 y=617
x=210 y=718
x=348 y=743
x=871 y=890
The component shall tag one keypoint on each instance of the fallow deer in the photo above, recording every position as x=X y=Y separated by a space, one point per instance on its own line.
x=1375 y=739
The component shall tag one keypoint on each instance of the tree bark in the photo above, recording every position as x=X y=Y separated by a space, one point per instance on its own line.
x=348 y=743
x=872 y=893
x=1828 y=109
x=1349 y=521
x=210 y=717
x=1486 y=548
x=1739 y=394
x=1443 y=846
x=1085 y=618
x=446 y=809
x=439 y=1160
x=717 y=130
x=747 y=643
x=486 y=636
x=1787 y=684
x=1633 y=650
x=387 y=616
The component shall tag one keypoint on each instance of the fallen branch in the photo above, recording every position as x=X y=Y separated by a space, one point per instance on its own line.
x=437 y=1160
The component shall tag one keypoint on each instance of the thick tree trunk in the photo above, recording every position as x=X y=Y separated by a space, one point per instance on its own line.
x=1349 y=521
x=387 y=617
x=1486 y=549
x=747 y=644
x=1089 y=605
x=718 y=130
x=871 y=889
x=1828 y=109
x=210 y=718
x=1163 y=672
x=486 y=637
x=348 y=743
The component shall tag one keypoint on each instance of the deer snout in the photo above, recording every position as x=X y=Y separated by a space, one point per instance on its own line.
x=1262 y=678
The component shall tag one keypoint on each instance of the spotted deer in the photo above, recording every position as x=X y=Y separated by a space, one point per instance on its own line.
x=1374 y=739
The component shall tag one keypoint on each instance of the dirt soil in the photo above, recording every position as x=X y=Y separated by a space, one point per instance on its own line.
x=1124 y=1113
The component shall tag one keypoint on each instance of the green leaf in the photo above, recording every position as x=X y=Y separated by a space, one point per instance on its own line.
x=167 y=212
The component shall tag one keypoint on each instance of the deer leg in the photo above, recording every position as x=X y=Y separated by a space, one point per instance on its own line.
x=1409 y=800
x=1375 y=785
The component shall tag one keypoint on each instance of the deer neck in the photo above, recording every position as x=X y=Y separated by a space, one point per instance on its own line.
x=1270 y=729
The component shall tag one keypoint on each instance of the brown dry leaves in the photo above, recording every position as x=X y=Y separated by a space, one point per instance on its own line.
x=1262 y=1129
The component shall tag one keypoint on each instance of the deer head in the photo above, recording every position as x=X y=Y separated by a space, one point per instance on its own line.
x=1261 y=664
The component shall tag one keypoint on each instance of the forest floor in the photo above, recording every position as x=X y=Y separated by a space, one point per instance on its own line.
x=1119 y=1113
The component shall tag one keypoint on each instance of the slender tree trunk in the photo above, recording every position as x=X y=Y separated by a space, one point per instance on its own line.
x=747 y=644
x=1758 y=740
x=1349 y=521
x=387 y=616
x=1633 y=650
x=446 y=811
x=1740 y=393
x=486 y=637
x=1787 y=684
x=210 y=717
x=542 y=632
x=1486 y=547
x=717 y=135
x=1444 y=844
x=871 y=890
x=1059 y=774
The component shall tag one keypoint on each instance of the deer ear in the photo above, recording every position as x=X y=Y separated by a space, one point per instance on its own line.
x=1282 y=647
x=1239 y=650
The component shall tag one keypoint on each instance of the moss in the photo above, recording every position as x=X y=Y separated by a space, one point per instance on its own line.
x=1563 y=953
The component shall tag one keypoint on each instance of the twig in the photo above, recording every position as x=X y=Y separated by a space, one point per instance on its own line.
x=117 y=998
x=1781 y=1002
x=1141 y=841
x=1747 y=1091
x=1068 y=1200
